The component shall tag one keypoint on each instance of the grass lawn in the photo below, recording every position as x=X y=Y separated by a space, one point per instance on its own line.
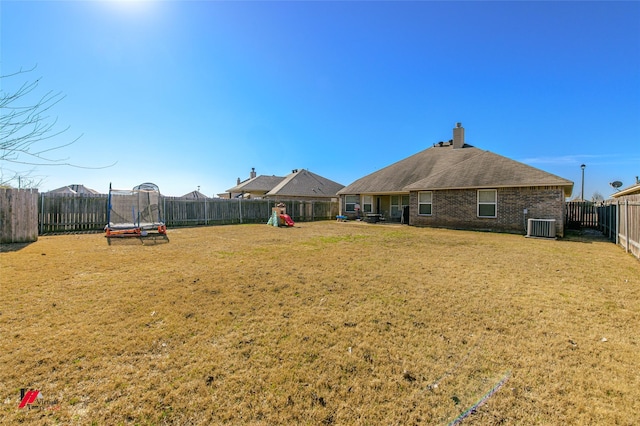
x=324 y=323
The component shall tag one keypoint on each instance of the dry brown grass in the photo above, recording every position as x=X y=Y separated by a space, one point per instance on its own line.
x=324 y=323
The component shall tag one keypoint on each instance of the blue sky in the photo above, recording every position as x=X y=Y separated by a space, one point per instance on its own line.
x=196 y=93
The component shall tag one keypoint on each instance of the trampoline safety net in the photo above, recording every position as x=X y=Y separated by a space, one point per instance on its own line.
x=134 y=210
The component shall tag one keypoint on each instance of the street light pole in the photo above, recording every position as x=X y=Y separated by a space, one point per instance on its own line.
x=582 y=166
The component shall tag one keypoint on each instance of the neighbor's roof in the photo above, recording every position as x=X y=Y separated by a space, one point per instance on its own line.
x=443 y=167
x=259 y=183
x=194 y=195
x=74 y=189
x=633 y=189
x=303 y=183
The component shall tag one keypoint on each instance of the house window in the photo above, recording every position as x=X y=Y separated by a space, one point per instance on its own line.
x=425 y=202
x=487 y=202
x=350 y=203
x=405 y=201
x=395 y=206
x=398 y=203
x=367 y=204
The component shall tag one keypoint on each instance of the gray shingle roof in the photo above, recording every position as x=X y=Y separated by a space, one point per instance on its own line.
x=74 y=189
x=258 y=183
x=304 y=183
x=397 y=176
x=194 y=195
x=442 y=167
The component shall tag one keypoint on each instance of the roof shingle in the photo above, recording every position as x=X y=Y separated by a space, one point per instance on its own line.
x=443 y=167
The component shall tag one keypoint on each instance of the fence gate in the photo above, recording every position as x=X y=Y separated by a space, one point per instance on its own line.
x=581 y=214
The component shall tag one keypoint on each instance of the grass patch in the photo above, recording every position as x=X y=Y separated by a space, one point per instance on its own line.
x=323 y=323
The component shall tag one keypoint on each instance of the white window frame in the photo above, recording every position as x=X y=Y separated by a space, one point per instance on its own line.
x=396 y=210
x=404 y=201
x=424 y=203
x=493 y=203
x=355 y=200
x=367 y=204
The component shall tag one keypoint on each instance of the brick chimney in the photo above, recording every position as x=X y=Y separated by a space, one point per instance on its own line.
x=458 y=136
x=253 y=173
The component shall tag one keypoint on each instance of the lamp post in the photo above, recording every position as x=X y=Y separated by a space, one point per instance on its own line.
x=582 y=166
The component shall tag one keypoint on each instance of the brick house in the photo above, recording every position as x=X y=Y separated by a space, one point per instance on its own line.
x=455 y=185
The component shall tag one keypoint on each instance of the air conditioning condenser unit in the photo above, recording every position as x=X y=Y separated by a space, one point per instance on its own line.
x=542 y=228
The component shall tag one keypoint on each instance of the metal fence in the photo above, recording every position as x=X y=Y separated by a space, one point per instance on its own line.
x=61 y=213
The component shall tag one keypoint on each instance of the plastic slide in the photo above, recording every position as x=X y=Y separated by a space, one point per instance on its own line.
x=287 y=219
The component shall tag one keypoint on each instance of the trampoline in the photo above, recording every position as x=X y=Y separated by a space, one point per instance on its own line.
x=134 y=212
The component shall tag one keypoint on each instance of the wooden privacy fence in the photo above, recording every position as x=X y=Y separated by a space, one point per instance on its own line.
x=18 y=215
x=581 y=214
x=72 y=212
x=619 y=220
x=59 y=213
x=214 y=211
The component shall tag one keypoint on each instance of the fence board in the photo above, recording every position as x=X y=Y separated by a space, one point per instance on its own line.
x=72 y=212
x=619 y=220
x=18 y=215
x=88 y=212
x=581 y=214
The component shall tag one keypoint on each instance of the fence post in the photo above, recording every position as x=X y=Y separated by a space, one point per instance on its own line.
x=609 y=211
x=41 y=215
x=626 y=225
x=617 y=222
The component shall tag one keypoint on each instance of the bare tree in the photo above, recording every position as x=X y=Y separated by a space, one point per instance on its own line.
x=597 y=197
x=29 y=133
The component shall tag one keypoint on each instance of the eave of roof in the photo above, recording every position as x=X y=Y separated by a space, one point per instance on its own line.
x=633 y=189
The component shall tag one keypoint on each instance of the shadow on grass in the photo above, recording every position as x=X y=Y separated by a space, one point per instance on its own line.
x=151 y=239
x=585 y=235
x=8 y=247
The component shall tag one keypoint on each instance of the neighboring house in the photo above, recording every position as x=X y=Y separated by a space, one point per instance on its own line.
x=298 y=185
x=631 y=193
x=74 y=189
x=625 y=211
x=455 y=185
x=254 y=187
x=194 y=195
x=305 y=185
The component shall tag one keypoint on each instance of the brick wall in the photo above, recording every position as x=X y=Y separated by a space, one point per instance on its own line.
x=458 y=209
